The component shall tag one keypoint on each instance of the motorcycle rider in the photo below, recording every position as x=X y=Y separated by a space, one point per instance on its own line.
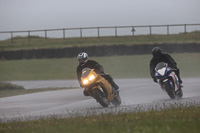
x=84 y=62
x=159 y=56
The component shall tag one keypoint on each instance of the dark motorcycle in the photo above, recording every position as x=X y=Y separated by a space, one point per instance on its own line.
x=168 y=80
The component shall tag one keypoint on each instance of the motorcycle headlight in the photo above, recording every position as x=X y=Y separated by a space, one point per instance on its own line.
x=85 y=81
x=92 y=77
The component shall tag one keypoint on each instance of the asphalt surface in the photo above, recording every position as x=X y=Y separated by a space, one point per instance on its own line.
x=136 y=95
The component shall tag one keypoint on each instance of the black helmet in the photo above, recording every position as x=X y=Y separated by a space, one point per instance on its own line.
x=82 y=58
x=156 y=51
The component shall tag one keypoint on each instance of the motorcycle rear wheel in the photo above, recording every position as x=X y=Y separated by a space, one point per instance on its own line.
x=117 y=100
x=179 y=94
x=170 y=91
x=100 y=97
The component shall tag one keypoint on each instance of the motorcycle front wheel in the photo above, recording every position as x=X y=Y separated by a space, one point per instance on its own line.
x=100 y=97
x=170 y=91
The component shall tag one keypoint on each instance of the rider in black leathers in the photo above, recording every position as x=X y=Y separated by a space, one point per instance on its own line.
x=159 y=56
x=85 y=63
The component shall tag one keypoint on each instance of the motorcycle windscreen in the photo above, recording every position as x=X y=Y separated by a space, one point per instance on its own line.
x=161 y=65
x=85 y=72
x=160 y=70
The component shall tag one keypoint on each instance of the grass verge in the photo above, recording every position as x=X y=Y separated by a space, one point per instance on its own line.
x=8 y=86
x=39 y=42
x=7 y=89
x=173 y=120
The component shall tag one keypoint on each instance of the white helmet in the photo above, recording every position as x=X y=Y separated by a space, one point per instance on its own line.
x=82 y=58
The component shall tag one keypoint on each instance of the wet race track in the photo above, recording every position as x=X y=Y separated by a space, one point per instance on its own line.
x=136 y=94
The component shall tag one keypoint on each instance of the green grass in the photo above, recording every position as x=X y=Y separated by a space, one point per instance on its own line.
x=38 y=42
x=7 y=89
x=135 y=66
x=9 y=86
x=173 y=120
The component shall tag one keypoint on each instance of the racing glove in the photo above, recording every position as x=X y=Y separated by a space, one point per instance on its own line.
x=155 y=80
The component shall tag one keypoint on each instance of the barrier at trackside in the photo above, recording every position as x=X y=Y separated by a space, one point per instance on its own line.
x=97 y=51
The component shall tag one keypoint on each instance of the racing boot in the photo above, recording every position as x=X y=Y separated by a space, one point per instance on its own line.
x=115 y=89
x=177 y=71
x=180 y=85
x=180 y=81
x=110 y=80
x=115 y=86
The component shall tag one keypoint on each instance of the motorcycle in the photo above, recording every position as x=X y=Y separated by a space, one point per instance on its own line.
x=99 y=88
x=168 y=80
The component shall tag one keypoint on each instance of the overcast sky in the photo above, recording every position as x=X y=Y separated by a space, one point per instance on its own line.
x=51 y=14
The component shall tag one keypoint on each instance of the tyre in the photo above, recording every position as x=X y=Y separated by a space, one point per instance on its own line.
x=179 y=94
x=100 y=97
x=170 y=91
x=117 y=100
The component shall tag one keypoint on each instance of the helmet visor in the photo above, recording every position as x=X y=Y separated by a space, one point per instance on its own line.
x=81 y=61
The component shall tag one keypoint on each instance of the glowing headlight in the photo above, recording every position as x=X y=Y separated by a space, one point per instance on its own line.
x=85 y=81
x=91 y=77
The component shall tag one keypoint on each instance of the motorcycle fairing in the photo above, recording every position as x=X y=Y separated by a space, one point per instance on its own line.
x=162 y=71
x=98 y=82
x=168 y=80
x=172 y=79
x=175 y=81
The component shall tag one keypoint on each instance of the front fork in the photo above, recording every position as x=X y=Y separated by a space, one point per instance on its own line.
x=175 y=81
x=161 y=85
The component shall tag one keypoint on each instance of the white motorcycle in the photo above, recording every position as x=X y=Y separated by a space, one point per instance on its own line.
x=168 y=80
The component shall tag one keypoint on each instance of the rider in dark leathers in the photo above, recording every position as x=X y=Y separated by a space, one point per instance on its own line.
x=159 y=56
x=85 y=63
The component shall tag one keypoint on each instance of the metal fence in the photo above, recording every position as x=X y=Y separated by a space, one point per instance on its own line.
x=114 y=31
